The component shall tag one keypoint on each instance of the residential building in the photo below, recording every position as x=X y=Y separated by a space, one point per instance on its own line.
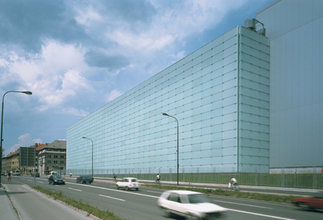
x=10 y=162
x=52 y=157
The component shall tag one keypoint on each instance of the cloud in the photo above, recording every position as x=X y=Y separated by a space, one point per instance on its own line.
x=74 y=111
x=101 y=59
x=55 y=75
x=35 y=20
x=170 y=23
x=24 y=140
x=38 y=140
x=113 y=95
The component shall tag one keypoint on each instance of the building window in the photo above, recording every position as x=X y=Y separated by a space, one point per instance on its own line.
x=62 y=162
x=55 y=161
x=55 y=156
x=49 y=156
x=62 y=156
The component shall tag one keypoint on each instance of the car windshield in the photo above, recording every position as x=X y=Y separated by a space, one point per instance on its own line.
x=58 y=176
x=197 y=198
x=87 y=176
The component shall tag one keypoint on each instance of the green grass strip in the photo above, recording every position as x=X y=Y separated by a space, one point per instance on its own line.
x=233 y=194
x=105 y=215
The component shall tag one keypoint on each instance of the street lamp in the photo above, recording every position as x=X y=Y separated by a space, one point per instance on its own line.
x=25 y=92
x=92 y=152
x=165 y=114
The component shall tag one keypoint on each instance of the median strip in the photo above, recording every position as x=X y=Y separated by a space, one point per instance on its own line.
x=234 y=194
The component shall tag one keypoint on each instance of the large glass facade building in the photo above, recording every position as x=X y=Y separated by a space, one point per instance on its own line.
x=295 y=31
x=220 y=96
x=224 y=96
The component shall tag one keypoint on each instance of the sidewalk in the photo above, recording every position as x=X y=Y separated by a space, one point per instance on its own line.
x=6 y=209
x=33 y=205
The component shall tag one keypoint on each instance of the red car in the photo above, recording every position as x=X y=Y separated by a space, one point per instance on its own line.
x=308 y=203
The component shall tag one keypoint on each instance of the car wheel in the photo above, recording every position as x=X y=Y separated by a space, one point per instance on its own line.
x=77 y=181
x=127 y=188
x=137 y=189
x=165 y=212
x=192 y=217
x=90 y=182
x=303 y=206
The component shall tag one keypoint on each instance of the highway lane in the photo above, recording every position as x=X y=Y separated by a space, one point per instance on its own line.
x=142 y=204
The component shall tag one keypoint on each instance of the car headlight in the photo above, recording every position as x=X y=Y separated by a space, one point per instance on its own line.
x=55 y=180
x=63 y=180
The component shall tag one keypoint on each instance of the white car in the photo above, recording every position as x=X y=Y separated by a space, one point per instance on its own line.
x=128 y=183
x=52 y=173
x=191 y=205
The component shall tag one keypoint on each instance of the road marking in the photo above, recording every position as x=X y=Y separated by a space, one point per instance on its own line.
x=153 y=191
x=112 y=198
x=75 y=189
x=39 y=182
x=258 y=214
x=116 y=190
x=243 y=204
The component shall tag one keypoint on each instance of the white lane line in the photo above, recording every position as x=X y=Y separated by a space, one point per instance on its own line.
x=243 y=204
x=75 y=189
x=116 y=190
x=258 y=214
x=39 y=182
x=112 y=198
x=154 y=192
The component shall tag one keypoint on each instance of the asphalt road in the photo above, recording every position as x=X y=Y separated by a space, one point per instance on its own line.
x=142 y=204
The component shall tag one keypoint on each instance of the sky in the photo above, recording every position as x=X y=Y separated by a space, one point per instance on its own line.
x=76 y=56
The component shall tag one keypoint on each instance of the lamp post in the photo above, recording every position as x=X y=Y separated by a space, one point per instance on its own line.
x=165 y=114
x=25 y=92
x=92 y=152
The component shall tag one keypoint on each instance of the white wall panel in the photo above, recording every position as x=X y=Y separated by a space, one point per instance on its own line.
x=294 y=28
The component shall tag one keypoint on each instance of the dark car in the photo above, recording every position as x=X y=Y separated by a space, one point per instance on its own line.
x=309 y=203
x=36 y=174
x=84 y=179
x=56 y=179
